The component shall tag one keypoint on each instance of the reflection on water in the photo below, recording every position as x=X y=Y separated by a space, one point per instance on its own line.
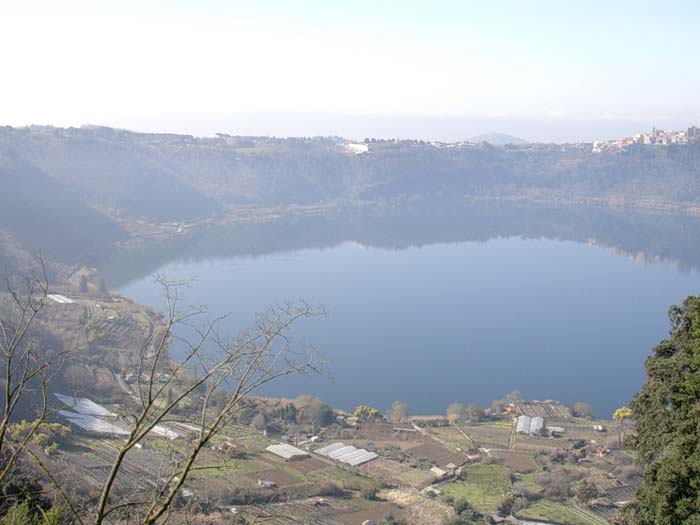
x=433 y=307
x=647 y=237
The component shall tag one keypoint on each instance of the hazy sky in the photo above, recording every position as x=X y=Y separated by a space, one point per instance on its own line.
x=547 y=70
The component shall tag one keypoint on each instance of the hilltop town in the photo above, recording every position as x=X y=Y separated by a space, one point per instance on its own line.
x=657 y=137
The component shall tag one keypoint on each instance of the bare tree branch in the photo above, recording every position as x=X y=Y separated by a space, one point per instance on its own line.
x=212 y=365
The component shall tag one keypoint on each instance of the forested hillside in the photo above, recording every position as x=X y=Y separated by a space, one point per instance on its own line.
x=42 y=214
x=82 y=182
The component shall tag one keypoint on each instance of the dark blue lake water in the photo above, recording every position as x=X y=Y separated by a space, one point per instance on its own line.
x=457 y=320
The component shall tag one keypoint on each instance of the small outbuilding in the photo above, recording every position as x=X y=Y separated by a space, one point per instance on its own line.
x=266 y=484
x=556 y=431
x=438 y=472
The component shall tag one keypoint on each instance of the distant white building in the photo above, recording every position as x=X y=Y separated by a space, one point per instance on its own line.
x=60 y=299
x=287 y=452
x=536 y=425
x=94 y=424
x=83 y=405
x=357 y=148
x=556 y=430
x=530 y=425
x=347 y=454
x=523 y=426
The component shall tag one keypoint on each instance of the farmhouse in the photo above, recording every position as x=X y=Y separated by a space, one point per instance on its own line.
x=287 y=452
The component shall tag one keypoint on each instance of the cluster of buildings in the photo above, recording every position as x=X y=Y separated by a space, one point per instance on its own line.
x=657 y=137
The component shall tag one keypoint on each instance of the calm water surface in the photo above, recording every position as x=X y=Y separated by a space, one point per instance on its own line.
x=463 y=321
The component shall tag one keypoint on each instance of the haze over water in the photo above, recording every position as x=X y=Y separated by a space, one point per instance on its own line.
x=461 y=321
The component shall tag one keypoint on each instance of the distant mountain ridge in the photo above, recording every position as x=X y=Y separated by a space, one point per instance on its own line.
x=113 y=170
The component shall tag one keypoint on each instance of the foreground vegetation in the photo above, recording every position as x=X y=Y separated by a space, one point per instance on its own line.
x=667 y=411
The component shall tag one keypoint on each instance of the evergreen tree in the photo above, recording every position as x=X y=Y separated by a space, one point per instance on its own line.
x=667 y=415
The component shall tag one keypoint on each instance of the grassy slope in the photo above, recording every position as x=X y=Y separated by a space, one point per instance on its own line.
x=484 y=488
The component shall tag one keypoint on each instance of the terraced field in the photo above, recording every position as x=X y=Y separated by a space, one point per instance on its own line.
x=490 y=435
x=343 y=478
x=556 y=512
x=604 y=512
x=322 y=511
x=527 y=482
x=533 y=444
x=437 y=454
x=452 y=437
x=514 y=461
x=395 y=473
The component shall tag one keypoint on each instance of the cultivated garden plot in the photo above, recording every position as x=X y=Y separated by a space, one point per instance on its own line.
x=515 y=462
x=141 y=468
x=420 y=509
x=321 y=511
x=385 y=431
x=278 y=477
x=438 y=455
x=306 y=465
x=396 y=473
x=534 y=444
x=491 y=434
x=484 y=487
x=373 y=511
x=526 y=483
x=452 y=437
x=558 y=513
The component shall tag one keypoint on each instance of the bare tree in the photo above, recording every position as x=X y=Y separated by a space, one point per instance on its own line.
x=27 y=368
x=212 y=367
x=398 y=412
x=456 y=413
x=202 y=390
